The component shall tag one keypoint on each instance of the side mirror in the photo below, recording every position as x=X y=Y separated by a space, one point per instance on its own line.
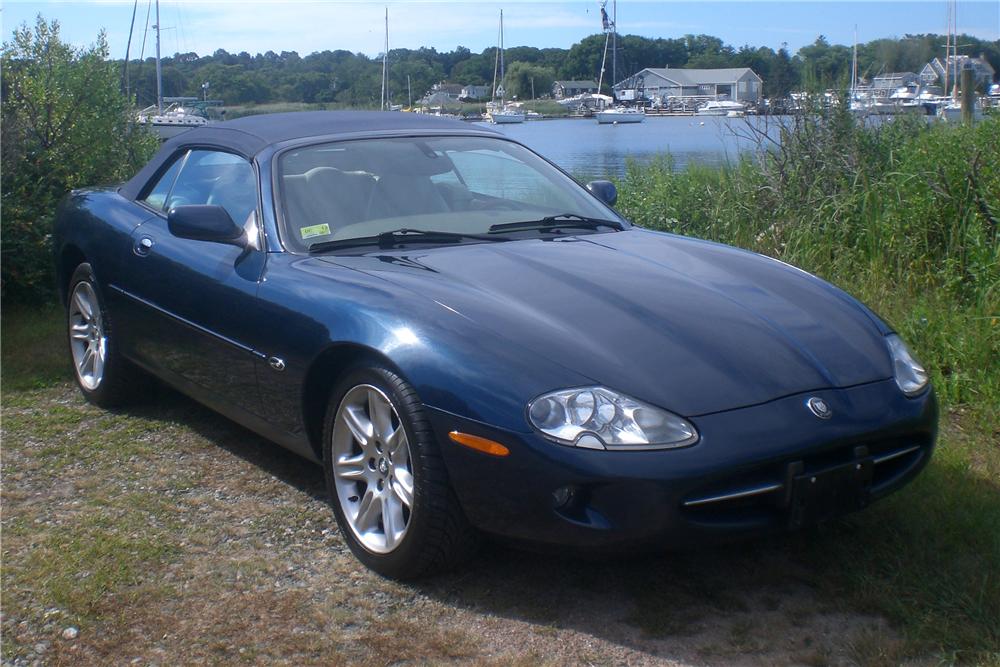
x=604 y=190
x=205 y=223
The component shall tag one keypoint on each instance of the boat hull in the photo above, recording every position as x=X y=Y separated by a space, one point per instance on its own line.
x=618 y=118
x=506 y=119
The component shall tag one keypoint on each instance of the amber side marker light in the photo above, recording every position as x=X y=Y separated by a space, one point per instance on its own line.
x=479 y=444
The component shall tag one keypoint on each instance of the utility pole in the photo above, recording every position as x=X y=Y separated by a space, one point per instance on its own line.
x=409 y=92
x=968 y=95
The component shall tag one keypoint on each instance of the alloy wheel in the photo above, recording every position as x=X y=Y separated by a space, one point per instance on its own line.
x=371 y=468
x=87 y=339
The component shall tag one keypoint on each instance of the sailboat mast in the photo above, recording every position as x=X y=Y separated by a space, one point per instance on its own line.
x=385 y=64
x=614 y=47
x=854 y=64
x=954 y=47
x=496 y=68
x=947 y=51
x=159 y=69
x=503 y=91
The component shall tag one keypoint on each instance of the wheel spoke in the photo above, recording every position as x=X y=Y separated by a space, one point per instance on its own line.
x=83 y=305
x=396 y=445
x=98 y=364
x=381 y=414
x=359 y=424
x=80 y=331
x=402 y=486
x=88 y=360
x=390 y=521
x=369 y=510
x=352 y=467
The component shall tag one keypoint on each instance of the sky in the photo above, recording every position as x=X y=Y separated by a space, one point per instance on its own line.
x=306 y=26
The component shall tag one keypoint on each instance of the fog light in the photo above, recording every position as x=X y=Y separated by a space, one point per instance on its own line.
x=563 y=496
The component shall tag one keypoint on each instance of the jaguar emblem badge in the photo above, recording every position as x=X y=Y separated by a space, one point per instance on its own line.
x=818 y=407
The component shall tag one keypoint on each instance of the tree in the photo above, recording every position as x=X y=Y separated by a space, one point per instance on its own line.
x=66 y=124
x=522 y=78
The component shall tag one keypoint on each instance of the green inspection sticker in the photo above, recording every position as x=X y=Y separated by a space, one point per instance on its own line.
x=315 y=230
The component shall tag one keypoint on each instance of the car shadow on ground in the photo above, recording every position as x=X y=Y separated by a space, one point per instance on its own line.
x=171 y=406
x=640 y=602
x=806 y=597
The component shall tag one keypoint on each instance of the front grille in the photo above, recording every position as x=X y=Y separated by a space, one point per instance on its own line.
x=763 y=494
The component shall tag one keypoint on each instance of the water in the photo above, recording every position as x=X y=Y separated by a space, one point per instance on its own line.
x=587 y=149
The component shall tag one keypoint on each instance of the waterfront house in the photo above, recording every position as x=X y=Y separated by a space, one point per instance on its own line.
x=564 y=89
x=442 y=93
x=474 y=93
x=737 y=84
x=884 y=85
x=934 y=72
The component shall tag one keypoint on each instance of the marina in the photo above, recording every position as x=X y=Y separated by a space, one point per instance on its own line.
x=594 y=151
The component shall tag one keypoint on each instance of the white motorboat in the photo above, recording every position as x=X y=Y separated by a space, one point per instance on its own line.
x=721 y=108
x=620 y=115
x=171 y=121
x=505 y=116
x=952 y=111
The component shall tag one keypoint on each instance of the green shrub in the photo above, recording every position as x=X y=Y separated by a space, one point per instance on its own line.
x=66 y=125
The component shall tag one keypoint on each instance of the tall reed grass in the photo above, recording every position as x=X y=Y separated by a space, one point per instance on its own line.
x=903 y=214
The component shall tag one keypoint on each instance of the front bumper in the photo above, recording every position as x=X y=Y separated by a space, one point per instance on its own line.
x=754 y=470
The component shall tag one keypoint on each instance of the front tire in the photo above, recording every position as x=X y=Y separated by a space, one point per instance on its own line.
x=387 y=483
x=105 y=378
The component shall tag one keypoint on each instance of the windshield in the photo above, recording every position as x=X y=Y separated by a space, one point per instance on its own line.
x=467 y=185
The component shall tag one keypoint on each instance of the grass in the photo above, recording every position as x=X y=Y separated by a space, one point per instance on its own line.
x=904 y=217
x=927 y=559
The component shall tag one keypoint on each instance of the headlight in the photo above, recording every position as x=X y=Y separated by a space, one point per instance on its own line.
x=598 y=418
x=910 y=374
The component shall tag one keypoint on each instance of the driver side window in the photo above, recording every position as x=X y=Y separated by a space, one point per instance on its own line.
x=207 y=177
x=157 y=196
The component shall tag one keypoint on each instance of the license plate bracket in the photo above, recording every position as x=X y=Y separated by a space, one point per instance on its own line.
x=825 y=494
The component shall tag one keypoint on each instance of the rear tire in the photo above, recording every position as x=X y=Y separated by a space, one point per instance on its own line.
x=105 y=378
x=386 y=479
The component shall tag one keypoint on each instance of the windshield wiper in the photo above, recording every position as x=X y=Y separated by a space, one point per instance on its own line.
x=396 y=237
x=559 y=220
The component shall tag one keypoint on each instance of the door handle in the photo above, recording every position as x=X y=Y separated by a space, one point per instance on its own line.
x=143 y=246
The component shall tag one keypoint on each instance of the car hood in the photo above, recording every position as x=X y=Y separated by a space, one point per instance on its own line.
x=692 y=326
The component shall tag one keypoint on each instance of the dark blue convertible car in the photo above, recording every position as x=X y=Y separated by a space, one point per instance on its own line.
x=468 y=341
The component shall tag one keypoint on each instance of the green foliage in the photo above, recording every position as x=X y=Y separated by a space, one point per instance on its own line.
x=902 y=214
x=65 y=125
x=523 y=78
x=355 y=79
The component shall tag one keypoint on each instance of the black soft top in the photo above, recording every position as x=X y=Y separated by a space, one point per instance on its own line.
x=249 y=135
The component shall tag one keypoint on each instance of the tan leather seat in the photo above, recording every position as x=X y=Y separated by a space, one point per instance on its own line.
x=328 y=195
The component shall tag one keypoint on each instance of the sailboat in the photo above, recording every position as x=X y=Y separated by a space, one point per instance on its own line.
x=618 y=114
x=387 y=104
x=500 y=112
x=951 y=109
x=175 y=118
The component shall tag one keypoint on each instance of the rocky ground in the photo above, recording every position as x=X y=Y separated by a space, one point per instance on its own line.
x=166 y=534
